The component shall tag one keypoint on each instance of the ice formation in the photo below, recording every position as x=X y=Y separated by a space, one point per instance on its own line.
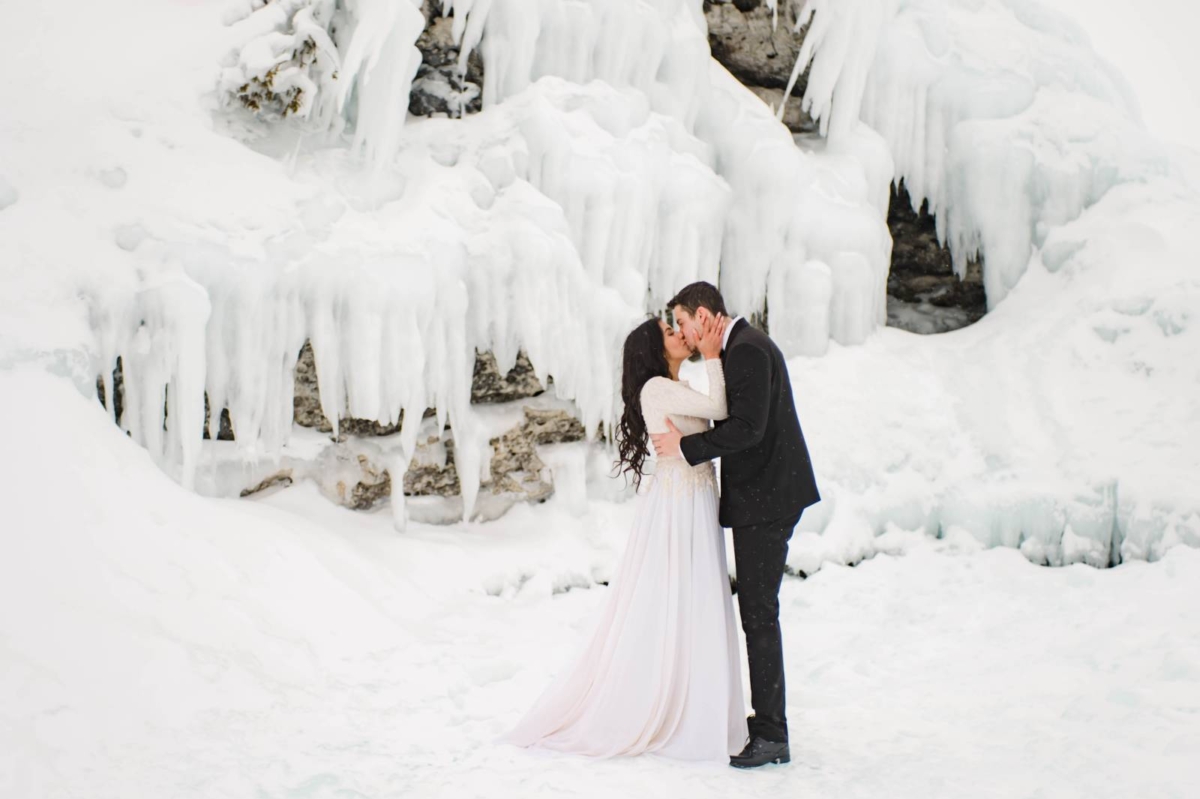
x=163 y=223
x=998 y=113
x=614 y=162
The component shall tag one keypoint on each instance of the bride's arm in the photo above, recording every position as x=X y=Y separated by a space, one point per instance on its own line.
x=679 y=400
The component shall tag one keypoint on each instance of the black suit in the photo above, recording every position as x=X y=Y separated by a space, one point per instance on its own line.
x=766 y=483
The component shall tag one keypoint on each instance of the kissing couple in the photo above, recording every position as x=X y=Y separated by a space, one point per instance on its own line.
x=661 y=673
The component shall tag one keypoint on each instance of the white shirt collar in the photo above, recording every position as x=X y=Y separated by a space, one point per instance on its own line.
x=729 y=330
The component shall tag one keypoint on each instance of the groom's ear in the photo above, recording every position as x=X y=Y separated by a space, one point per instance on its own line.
x=702 y=315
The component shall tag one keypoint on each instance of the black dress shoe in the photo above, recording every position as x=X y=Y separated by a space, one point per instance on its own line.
x=760 y=752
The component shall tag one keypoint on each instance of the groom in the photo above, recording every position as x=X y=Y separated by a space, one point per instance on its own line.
x=766 y=483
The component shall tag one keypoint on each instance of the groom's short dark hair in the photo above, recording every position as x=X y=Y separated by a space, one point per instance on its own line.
x=699 y=295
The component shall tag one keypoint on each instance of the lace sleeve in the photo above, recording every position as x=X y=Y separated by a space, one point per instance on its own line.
x=676 y=398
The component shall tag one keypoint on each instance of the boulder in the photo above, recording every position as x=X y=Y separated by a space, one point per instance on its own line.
x=350 y=474
x=431 y=471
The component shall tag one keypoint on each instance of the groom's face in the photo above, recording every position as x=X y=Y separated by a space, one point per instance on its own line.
x=688 y=324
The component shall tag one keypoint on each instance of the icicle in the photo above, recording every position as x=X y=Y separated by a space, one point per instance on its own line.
x=380 y=64
x=158 y=332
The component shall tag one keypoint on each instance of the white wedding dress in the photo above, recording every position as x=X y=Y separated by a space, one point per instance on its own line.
x=662 y=672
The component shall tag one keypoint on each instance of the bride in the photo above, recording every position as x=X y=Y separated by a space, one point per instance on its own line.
x=661 y=673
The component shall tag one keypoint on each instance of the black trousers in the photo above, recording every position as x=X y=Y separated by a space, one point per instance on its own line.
x=760 y=551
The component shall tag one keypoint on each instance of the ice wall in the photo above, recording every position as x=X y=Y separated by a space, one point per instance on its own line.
x=148 y=222
x=997 y=112
x=787 y=207
x=614 y=162
x=547 y=223
x=1072 y=404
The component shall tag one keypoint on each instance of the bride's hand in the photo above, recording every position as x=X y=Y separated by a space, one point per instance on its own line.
x=712 y=331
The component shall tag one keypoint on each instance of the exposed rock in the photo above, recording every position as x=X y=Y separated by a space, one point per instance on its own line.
x=552 y=427
x=437 y=91
x=306 y=404
x=282 y=477
x=118 y=382
x=432 y=472
x=922 y=276
x=516 y=468
x=374 y=486
x=352 y=477
x=794 y=119
x=744 y=38
x=224 y=423
x=489 y=386
x=225 y=429
x=294 y=68
x=352 y=471
x=306 y=399
x=439 y=87
x=517 y=473
x=368 y=427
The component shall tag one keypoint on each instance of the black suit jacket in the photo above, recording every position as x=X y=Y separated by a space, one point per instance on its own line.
x=766 y=474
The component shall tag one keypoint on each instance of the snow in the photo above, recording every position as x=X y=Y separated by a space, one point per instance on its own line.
x=166 y=642
x=186 y=646
x=1153 y=51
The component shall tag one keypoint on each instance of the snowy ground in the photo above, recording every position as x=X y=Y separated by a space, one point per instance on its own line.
x=155 y=643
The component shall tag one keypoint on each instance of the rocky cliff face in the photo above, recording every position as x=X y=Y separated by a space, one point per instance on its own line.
x=440 y=87
x=759 y=48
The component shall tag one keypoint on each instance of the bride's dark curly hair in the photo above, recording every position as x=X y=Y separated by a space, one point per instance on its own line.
x=644 y=357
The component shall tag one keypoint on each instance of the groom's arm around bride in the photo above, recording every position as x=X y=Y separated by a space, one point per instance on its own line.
x=766 y=473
